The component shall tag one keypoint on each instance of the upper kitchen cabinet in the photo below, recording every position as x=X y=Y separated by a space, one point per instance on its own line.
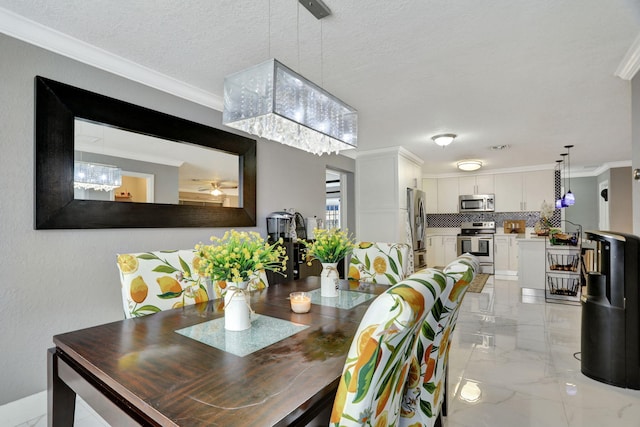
x=430 y=187
x=448 y=192
x=476 y=184
x=516 y=192
x=382 y=179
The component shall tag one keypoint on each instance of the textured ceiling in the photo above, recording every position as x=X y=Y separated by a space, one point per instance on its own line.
x=535 y=75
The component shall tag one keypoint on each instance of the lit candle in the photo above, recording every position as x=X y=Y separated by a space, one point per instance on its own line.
x=300 y=302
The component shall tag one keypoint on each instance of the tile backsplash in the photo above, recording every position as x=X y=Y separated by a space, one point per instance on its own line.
x=454 y=220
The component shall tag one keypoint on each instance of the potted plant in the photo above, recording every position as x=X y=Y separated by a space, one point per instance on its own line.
x=329 y=247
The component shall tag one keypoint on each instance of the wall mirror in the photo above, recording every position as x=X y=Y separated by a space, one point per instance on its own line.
x=173 y=172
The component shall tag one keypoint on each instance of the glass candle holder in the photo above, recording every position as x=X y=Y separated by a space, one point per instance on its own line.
x=300 y=302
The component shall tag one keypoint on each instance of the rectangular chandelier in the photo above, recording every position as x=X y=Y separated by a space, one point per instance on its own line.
x=272 y=101
x=96 y=176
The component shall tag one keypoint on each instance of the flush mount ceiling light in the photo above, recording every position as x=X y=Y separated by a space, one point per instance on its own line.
x=444 y=139
x=95 y=176
x=272 y=101
x=469 y=165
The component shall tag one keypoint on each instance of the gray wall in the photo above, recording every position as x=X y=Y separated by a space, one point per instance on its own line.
x=585 y=211
x=57 y=281
x=620 y=204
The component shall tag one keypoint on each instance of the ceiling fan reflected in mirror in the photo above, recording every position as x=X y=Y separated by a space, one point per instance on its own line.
x=216 y=188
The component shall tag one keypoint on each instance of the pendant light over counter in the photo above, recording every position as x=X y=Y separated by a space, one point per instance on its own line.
x=567 y=199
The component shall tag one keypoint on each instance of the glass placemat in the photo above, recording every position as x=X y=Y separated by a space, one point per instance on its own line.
x=264 y=331
x=345 y=299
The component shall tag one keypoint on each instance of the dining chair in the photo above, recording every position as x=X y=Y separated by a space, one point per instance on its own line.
x=379 y=262
x=425 y=402
x=377 y=365
x=160 y=280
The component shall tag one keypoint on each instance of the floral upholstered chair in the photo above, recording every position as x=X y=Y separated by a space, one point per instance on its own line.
x=422 y=402
x=161 y=280
x=156 y=281
x=380 y=263
x=371 y=387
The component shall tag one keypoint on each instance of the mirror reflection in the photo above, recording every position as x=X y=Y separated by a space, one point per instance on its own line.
x=121 y=166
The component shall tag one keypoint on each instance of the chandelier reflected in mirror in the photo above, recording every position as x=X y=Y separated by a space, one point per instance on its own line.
x=96 y=176
x=272 y=101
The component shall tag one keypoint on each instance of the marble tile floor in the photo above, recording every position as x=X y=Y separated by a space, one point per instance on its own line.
x=514 y=362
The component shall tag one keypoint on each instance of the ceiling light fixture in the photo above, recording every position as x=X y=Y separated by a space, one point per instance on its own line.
x=96 y=176
x=272 y=101
x=444 y=139
x=469 y=165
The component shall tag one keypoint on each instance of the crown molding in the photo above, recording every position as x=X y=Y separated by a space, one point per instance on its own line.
x=630 y=64
x=29 y=31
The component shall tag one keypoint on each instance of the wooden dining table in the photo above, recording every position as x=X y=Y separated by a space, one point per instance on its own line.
x=181 y=367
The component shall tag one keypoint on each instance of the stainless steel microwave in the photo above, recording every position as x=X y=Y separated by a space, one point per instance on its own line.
x=476 y=203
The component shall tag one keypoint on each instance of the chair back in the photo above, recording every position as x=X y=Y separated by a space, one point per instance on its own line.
x=160 y=280
x=379 y=262
x=375 y=372
x=421 y=404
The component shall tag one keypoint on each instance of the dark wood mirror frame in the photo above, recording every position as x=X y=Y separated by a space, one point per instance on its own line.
x=58 y=105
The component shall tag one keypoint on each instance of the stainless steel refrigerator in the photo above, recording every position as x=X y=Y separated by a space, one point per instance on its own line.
x=416 y=210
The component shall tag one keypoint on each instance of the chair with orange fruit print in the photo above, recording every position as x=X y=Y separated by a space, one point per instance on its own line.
x=377 y=365
x=425 y=401
x=160 y=280
x=379 y=262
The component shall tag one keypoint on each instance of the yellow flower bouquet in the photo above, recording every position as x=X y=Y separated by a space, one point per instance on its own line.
x=329 y=246
x=240 y=256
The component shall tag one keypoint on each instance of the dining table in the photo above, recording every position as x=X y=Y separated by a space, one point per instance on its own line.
x=181 y=367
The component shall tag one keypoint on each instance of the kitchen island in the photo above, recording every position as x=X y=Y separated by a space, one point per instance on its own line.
x=531 y=266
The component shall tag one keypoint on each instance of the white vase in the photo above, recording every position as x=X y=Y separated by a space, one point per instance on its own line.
x=329 y=279
x=237 y=312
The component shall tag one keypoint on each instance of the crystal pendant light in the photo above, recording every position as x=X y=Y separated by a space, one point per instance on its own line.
x=96 y=176
x=273 y=102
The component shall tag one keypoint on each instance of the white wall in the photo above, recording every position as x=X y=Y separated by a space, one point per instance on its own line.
x=57 y=281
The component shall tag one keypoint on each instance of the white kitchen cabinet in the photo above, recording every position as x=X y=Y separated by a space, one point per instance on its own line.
x=505 y=254
x=435 y=254
x=449 y=249
x=441 y=250
x=538 y=186
x=448 y=195
x=430 y=187
x=476 y=184
x=517 y=192
x=531 y=266
x=508 y=191
x=382 y=179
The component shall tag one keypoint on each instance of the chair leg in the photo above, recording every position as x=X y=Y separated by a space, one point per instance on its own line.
x=445 y=397
x=438 y=422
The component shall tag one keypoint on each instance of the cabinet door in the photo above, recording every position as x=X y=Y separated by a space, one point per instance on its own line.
x=501 y=253
x=448 y=195
x=538 y=186
x=513 y=253
x=508 y=192
x=485 y=184
x=467 y=185
x=430 y=186
x=434 y=251
x=449 y=249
